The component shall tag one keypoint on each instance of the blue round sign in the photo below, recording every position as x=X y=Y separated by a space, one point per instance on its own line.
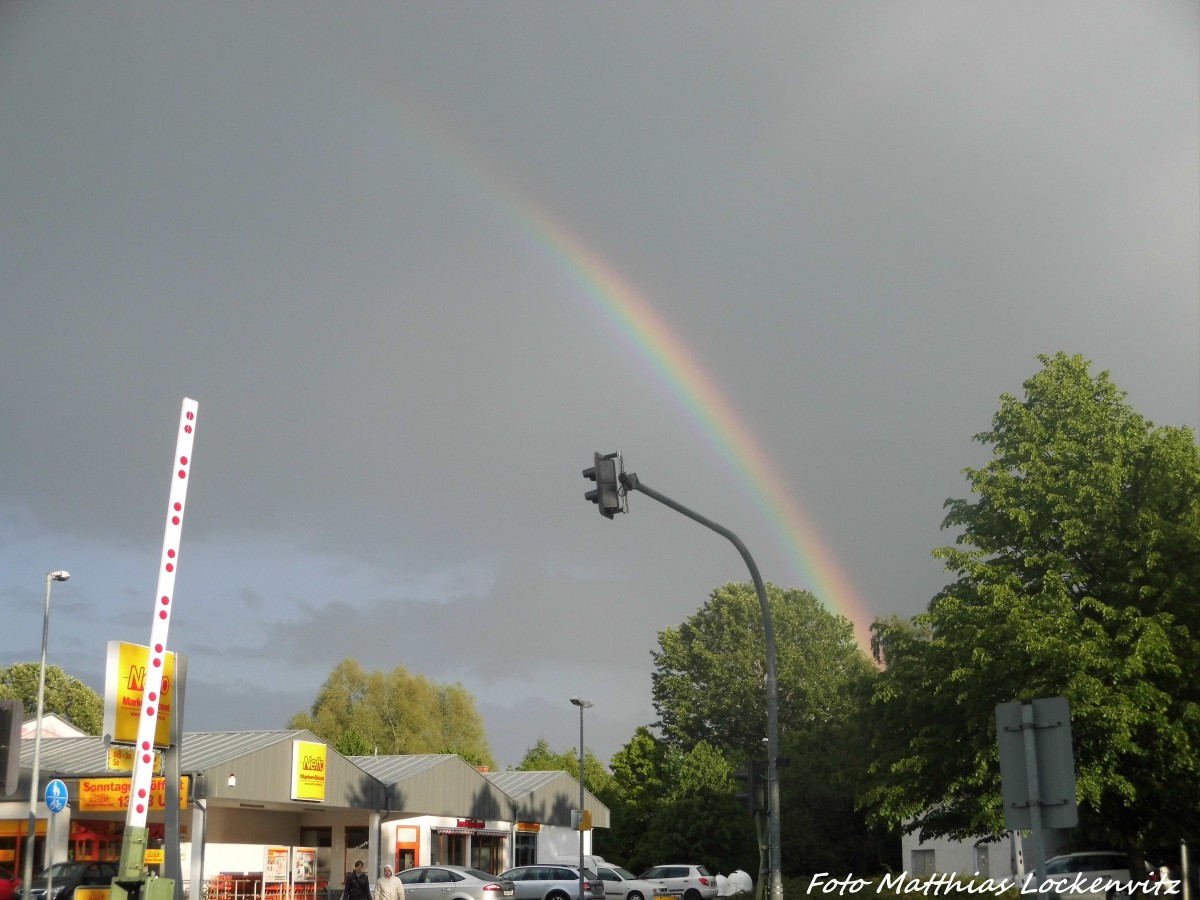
x=56 y=796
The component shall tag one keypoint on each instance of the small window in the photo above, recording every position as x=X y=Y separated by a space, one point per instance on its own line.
x=412 y=876
x=437 y=876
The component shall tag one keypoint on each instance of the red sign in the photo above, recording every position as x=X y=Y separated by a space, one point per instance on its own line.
x=470 y=823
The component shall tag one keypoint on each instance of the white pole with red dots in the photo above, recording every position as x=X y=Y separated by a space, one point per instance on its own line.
x=143 y=765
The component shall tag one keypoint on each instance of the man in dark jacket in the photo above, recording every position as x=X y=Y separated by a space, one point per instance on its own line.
x=358 y=886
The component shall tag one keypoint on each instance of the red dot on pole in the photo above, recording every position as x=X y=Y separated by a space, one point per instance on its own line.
x=165 y=600
x=150 y=711
x=171 y=554
x=162 y=613
x=174 y=520
x=142 y=791
x=191 y=415
x=182 y=473
x=141 y=808
x=153 y=696
x=158 y=648
x=170 y=567
x=183 y=460
x=145 y=745
x=178 y=506
x=157 y=663
x=187 y=429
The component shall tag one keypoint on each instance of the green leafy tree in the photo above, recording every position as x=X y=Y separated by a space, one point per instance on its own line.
x=708 y=682
x=65 y=695
x=639 y=771
x=395 y=712
x=1078 y=572
x=700 y=818
x=540 y=758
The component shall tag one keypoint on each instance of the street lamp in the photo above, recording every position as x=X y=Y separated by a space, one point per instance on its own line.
x=37 y=737
x=582 y=704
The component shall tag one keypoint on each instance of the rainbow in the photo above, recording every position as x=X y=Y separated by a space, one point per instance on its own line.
x=633 y=316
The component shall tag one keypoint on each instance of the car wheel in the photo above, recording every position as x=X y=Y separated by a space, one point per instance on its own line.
x=634 y=895
x=557 y=895
x=692 y=895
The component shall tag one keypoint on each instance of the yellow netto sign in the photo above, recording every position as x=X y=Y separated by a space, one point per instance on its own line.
x=308 y=771
x=112 y=794
x=93 y=893
x=124 y=690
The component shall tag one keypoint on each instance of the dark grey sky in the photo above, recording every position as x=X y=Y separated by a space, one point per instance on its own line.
x=343 y=229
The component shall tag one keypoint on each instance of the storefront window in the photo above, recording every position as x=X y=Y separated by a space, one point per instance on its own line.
x=487 y=853
x=525 y=848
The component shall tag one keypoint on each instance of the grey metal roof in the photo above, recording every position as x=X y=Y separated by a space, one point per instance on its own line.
x=200 y=750
x=547 y=797
x=521 y=784
x=438 y=785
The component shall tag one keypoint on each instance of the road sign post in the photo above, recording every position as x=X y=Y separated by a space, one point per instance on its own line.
x=1037 y=769
x=56 y=802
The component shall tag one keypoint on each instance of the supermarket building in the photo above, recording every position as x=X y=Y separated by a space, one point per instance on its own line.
x=280 y=813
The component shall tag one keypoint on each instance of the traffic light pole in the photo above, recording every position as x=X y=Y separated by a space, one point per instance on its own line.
x=632 y=483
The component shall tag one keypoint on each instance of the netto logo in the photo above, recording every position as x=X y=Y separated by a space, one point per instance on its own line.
x=137 y=681
x=312 y=763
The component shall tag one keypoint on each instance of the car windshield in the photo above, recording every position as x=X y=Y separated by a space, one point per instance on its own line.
x=64 y=870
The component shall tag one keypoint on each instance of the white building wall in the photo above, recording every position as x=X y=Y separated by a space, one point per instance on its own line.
x=937 y=856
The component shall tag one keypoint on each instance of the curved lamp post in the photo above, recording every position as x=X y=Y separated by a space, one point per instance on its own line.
x=37 y=736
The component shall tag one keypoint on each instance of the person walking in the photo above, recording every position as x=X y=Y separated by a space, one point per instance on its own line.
x=358 y=886
x=389 y=887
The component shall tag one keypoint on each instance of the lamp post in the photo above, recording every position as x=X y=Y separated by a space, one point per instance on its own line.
x=37 y=736
x=582 y=704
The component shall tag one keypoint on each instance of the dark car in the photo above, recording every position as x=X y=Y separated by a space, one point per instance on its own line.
x=64 y=877
x=554 y=882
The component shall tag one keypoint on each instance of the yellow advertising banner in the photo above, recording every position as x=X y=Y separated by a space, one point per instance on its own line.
x=120 y=759
x=308 y=771
x=92 y=893
x=125 y=683
x=112 y=794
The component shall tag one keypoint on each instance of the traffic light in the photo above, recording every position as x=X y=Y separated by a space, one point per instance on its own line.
x=754 y=779
x=12 y=715
x=606 y=494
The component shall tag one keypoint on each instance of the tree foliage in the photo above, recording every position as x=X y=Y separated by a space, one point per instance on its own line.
x=1077 y=574
x=708 y=683
x=540 y=758
x=670 y=804
x=395 y=712
x=676 y=788
x=65 y=695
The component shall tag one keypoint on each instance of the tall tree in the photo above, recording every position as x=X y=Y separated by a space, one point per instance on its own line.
x=709 y=672
x=395 y=712
x=65 y=695
x=1078 y=574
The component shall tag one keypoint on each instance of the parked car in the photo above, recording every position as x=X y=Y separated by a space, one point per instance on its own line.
x=688 y=882
x=1097 y=869
x=621 y=884
x=556 y=882
x=454 y=883
x=64 y=877
x=8 y=883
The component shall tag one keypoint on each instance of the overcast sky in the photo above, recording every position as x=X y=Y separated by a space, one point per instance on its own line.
x=417 y=261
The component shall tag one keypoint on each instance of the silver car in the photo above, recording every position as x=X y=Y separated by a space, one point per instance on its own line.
x=454 y=883
x=621 y=884
x=688 y=882
x=554 y=882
